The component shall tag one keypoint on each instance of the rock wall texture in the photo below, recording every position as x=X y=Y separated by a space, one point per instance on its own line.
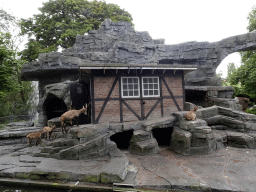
x=118 y=42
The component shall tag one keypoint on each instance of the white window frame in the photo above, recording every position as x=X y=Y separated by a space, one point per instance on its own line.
x=153 y=88
x=127 y=84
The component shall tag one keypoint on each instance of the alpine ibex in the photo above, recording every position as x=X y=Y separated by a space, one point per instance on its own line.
x=191 y=115
x=69 y=116
x=48 y=131
x=34 y=135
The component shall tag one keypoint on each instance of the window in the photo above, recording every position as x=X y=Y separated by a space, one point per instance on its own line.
x=130 y=87
x=150 y=87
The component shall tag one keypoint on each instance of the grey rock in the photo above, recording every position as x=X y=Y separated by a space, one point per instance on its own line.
x=120 y=43
x=160 y=123
x=143 y=143
x=20 y=124
x=221 y=138
x=180 y=140
x=191 y=125
x=236 y=139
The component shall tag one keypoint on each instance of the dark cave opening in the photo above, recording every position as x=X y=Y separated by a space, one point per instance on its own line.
x=163 y=135
x=197 y=97
x=122 y=139
x=54 y=107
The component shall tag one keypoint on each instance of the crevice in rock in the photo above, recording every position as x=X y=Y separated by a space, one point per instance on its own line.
x=122 y=139
x=163 y=136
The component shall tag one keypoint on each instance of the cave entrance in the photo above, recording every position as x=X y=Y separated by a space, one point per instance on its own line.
x=163 y=136
x=197 y=97
x=54 y=107
x=122 y=139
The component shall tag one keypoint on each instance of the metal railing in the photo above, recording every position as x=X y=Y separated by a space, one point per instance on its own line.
x=9 y=119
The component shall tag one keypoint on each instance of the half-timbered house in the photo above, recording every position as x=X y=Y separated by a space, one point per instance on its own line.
x=121 y=92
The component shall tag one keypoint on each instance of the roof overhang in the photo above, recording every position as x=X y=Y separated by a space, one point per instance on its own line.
x=139 y=66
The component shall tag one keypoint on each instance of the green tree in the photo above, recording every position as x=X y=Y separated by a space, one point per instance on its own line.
x=245 y=75
x=60 y=21
x=14 y=94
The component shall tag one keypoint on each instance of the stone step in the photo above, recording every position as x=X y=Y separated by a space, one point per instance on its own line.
x=96 y=147
x=141 y=135
x=201 y=129
x=241 y=140
x=144 y=147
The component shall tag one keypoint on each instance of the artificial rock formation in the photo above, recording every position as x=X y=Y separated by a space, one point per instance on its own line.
x=118 y=42
x=214 y=128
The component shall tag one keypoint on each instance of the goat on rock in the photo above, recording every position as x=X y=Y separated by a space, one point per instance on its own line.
x=48 y=131
x=191 y=115
x=69 y=116
x=34 y=135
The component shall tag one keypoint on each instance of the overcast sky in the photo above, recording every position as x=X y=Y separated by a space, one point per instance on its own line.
x=176 y=21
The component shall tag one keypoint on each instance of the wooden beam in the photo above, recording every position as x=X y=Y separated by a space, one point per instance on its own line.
x=152 y=109
x=175 y=102
x=92 y=100
x=161 y=95
x=132 y=110
x=107 y=99
x=120 y=100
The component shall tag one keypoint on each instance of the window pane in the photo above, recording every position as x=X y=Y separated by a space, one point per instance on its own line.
x=150 y=92
x=155 y=92
x=155 y=86
x=125 y=93
x=150 y=80
x=150 y=86
x=145 y=80
x=145 y=86
x=155 y=80
x=129 y=86
x=145 y=92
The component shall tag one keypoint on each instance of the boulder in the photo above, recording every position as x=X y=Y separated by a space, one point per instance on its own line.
x=190 y=125
x=241 y=140
x=192 y=138
x=143 y=143
x=180 y=140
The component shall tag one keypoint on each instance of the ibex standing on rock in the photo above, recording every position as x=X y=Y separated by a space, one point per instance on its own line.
x=48 y=131
x=34 y=135
x=69 y=116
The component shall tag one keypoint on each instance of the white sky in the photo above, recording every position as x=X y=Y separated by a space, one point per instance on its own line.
x=176 y=21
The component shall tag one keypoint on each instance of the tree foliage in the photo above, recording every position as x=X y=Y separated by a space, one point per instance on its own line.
x=14 y=94
x=245 y=75
x=60 y=21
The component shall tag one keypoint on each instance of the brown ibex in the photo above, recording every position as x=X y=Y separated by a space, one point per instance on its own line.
x=191 y=115
x=69 y=116
x=34 y=135
x=48 y=131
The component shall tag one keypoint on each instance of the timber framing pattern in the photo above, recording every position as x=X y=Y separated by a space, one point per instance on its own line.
x=141 y=114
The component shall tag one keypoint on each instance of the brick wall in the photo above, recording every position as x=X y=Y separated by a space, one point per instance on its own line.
x=111 y=112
